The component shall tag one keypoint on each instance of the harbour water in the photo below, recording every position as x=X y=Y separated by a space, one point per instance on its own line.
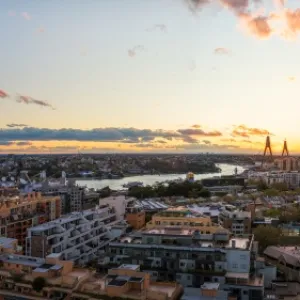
x=117 y=184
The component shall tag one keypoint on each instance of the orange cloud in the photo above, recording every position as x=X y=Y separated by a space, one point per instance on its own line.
x=3 y=94
x=293 y=20
x=258 y=26
x=200 y=132
x=196 y=126
x=244 y=131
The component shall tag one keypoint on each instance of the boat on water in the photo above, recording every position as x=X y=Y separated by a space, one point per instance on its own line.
x=133 y=184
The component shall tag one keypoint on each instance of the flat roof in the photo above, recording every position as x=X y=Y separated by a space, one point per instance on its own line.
x=170 y=231
x=210 y=286
x=6 y=242
x=129 y=267
x=22 y=260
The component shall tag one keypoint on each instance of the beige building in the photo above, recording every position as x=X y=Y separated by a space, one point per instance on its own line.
x=8 y=246
x=287 y=163
x=63 y=281
x=18 y=213
x=185 y=219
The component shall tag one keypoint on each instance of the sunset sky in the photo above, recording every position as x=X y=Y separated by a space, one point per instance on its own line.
x=149 y=76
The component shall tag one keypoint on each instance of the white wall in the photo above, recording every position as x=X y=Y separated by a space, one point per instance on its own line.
x=238 y=261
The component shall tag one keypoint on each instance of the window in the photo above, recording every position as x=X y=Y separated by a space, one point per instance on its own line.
x=243 y=256
x=234 y=266
x=244 y=267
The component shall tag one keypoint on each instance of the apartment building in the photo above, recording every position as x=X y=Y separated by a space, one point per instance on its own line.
x=78 y=236
x=18 y=213
x=237 y=221
x=64 y=281
x=192 y=258
x=183 y=218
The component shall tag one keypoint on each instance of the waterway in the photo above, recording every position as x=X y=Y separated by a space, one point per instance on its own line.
x=117 y=184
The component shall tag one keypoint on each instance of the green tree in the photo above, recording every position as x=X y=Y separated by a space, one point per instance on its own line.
x=271 y=192
x=261 y=185
x=266 y=236
x=38 y=284
x=272 y=213
x=280 y=186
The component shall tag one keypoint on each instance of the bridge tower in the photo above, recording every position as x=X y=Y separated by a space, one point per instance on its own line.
x=285 y=149
x=267 y=147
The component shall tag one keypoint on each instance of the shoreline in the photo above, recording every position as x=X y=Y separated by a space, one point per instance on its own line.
x=138 y=175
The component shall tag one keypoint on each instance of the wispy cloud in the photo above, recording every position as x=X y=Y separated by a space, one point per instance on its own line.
x=12 y=13
x=26 y=16
x=13 y=125
x=25 y=99
x=246 y=132
x=41 y=29
x=292 y=78
x=133 y=51
x=196 y=5
x=3 y=94
x=197 y=126
x=161 y=27
x=262 y=24
x=200 y=132
x=192 y=65
x=30 y=100
x=222 y=51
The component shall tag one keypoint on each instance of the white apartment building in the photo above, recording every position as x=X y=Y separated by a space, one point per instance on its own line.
x=119 y=203
x=79 y=236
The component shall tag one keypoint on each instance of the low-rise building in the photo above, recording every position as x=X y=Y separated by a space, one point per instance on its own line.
x=8 y=245
x=237 y=221
x=18 y=213
x=286 y=259
x=78 y=236
x=184 y=218
x=64 y=281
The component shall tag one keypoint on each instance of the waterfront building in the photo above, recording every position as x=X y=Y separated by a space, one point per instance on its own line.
x=18 y=213
x=79 y=236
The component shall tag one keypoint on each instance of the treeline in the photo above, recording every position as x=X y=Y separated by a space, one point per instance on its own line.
x=185 y=189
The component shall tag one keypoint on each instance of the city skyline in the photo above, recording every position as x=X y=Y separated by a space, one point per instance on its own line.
x=149 y=76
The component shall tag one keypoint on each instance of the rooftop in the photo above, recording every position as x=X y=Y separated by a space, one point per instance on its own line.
x=291 y=254
x=200 y=241
x=22 y=260
x=7 y=242
x=66 y=219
